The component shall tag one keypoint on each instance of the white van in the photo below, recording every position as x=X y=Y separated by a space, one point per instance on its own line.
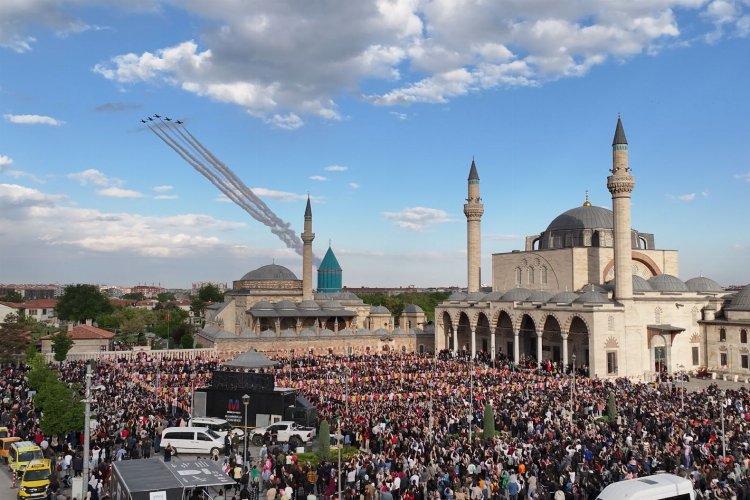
x=218 y=425
x=192 y=440
x=658 y=487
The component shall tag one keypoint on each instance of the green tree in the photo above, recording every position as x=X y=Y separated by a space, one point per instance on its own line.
x=187 y=341
x=82 y=302
x=210 y=293
x=324 y=440
x=488 y=431
x=134 y=296
x=612 y=407
x=61 y=344
x=62 y=409
x=165 y=297
x=12 y=297
x=14 y=339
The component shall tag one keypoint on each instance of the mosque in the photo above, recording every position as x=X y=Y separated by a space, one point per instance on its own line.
x=270 y=310
x=591 y=290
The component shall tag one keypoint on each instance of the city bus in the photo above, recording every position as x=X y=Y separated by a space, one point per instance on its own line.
x=658 y=487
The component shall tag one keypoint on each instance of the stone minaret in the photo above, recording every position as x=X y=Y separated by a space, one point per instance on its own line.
x=473 y=210
x=307 y=254
x=621 y=184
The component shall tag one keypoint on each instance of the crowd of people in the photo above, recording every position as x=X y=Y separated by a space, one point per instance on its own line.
x=415 y=427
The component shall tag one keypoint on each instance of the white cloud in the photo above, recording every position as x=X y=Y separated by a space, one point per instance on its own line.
x=115 y=192
x=399 y=116
x=278 y=195
x=354 y=185
x=33 y=120
x=683 y=197
x=41 y=218
x=94 y=177
x=336 y=168
x=222 y=198
x=5 y=162
x=166 y=197
x=743 y=177
x=162 y=189
x=289 y=121
x=318 y=178
x=417 y=218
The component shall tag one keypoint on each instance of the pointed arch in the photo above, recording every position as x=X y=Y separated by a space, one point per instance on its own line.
x=464 y=331
x=483 y=331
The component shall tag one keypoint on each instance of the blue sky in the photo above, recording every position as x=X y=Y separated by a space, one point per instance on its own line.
x=375 y=109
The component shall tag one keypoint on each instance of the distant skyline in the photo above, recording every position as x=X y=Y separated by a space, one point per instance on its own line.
x=376 y=109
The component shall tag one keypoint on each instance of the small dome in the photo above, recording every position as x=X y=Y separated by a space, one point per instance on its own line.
x=703 y=284
x=347 y=296
x=331 y=304
x=288 y=333
x=639 y=285
x=475 y=296
x=494 y=296
x=585 y=217
x=285 y=305
x=268 y=334
x=539 y=296
x=308 y=332
x=399 y=331
x=592 y=297
x=325 y=332
x=741 y=301
x=591 y=287
x=457 y=297
x=308 y=305
x=263 y=305
x=271 y=272
x=667 y=283
x=379 y=310
x=563 y=298
x=516 y=294
x=413 y=308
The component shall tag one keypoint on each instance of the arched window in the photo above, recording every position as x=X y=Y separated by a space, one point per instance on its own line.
x=657 y=315
x=518 y=276
x=611 y=323
x=722 y=335
x=543 y=276
x=531 y=275
x=743 y=336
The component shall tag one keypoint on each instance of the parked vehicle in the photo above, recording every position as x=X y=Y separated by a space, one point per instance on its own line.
x=5 y=446
x=35 y=480
x=21 y=453
x=657 y=487
x=192 y=440
x=218 y=425
x=282 y=432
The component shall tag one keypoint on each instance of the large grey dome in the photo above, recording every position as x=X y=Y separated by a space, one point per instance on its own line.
x=667 y=283
x=457 y=296
x=285 y=305
x=413 y=308
x=263 y=305
x=475 y=296
x=309 y=305
x=379 y=310
x=271 y=272
x=741 y=301
x=585 y=217
x=703 y=284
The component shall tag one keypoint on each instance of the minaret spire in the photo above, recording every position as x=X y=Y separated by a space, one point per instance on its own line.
x=307 y=254
x=473 y=209
x=621 y=184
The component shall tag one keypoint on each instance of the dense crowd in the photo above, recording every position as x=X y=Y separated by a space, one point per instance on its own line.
x=416 y=423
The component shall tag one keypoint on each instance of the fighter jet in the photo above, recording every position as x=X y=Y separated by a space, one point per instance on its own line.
x=150 y=119
x=168 y=118
x=156 y=116
x=143 y=121
x=178 y=122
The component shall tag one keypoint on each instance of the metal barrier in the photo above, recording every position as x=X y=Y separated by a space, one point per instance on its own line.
x=169 y=353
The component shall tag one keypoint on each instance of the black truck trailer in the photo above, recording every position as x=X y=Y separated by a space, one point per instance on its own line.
x=267 y=403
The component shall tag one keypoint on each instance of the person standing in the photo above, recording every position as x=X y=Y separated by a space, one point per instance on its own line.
x=168 y=453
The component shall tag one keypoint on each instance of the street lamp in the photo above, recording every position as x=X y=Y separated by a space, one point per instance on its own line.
x=682 y=386
x=723 y=435
x=573 y=387
x=246 y=402
x=471 y=395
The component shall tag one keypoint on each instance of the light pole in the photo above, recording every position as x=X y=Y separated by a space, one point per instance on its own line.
x=246 y=402
x=431 y=420
x=723 y=435
x=573 y=387
x=340 y=443
x=471 y=395
x=86 y=432
x=682 y=386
